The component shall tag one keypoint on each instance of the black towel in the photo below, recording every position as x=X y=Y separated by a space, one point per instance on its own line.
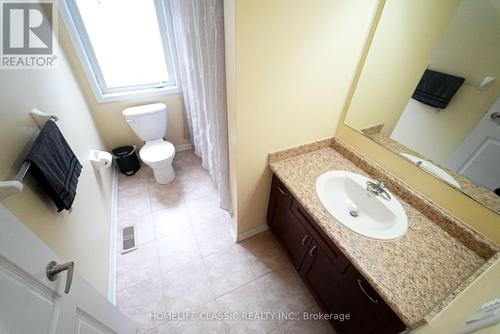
x=55 y=166
x=436 y=89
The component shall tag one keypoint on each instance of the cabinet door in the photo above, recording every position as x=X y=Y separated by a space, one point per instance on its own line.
x=323 y=279
x=356 y=302
x=291 y=233
x=285 y=226
x=369 y=313
x=345 y=295
x=279 y=195
x=321 y=239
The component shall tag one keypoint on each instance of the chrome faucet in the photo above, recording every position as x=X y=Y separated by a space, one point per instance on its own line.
x=378 y=188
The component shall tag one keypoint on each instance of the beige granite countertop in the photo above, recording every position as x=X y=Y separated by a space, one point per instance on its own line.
x=417 y=275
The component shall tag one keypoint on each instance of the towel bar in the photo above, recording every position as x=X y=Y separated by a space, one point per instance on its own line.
x=22 y=172
x=9 y=188
x=483 y=84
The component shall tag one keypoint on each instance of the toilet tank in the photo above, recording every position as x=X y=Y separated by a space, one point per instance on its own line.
x=149 y=122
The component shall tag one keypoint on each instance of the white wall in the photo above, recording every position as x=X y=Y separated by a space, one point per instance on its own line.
x=84 y=235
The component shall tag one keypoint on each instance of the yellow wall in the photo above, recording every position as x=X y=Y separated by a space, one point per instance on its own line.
x=115 y=130
x=108 y=116
x=406 y=36
x=295 y=61
x=485 y=221
x=460 y=52
x=84 y=235
x=452 y=319
x=294 y=64
x=463 y=53
x=432 y=27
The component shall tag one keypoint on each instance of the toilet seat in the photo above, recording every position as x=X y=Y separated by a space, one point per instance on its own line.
x=156 y=152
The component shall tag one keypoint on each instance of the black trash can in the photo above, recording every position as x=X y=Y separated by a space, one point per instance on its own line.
x=127 y=160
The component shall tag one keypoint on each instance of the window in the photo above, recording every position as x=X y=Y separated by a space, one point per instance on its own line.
x=126 y=46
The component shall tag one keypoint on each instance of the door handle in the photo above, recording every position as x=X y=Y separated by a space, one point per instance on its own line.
x=495 y=116
x=366 y=293
x=53 y=269
x=313 y=250
x=282 y=191
x=304 y=240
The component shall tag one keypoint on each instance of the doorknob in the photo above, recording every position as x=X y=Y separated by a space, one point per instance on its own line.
x=53 y=269
x=495 y=116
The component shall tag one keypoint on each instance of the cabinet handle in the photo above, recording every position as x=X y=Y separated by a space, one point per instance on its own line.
x=281 y=190
x=303 y=215
x=304 y=240
x=313 y=250
x=366 y=293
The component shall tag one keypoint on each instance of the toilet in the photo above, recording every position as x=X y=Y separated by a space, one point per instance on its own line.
x=149 y=122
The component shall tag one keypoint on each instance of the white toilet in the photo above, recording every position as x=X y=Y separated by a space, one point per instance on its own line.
x=149 y=122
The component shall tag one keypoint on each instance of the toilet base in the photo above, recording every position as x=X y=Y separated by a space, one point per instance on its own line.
x=164 y=175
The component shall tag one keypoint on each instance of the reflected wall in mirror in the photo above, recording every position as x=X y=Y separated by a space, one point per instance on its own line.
x=437 y=105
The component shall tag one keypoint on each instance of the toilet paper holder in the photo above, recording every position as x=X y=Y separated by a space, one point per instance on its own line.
x=100 y=159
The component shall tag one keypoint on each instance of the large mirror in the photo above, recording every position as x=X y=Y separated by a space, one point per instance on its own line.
x=429 y=91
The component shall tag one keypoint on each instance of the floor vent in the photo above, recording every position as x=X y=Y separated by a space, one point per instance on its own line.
x=129 y=237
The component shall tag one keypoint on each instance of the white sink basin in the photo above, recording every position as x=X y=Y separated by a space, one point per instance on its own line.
x=433 y=169
x=344 y=195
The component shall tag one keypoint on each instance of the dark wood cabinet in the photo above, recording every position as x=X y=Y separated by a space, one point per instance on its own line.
x=369 y=313
x=334 y=282
x=323 y=278
x=293 y=235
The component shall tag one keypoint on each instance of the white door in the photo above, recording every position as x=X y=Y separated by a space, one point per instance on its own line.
x=32 y=304
x=478 y=158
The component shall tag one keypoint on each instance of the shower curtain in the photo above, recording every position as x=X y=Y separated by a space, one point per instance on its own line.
x=199 y=34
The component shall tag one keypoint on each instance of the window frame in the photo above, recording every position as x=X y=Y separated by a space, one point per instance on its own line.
x=83 y=47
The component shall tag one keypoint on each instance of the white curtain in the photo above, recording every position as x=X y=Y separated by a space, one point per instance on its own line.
x=199 y=33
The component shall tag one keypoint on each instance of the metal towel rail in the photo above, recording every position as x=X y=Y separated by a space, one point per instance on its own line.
x=22 y=172
x=9 y=188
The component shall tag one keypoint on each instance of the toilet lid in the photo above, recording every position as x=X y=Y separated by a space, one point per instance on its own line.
x=156 y=151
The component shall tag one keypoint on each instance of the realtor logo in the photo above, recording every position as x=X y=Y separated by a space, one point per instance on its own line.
x=27 y=34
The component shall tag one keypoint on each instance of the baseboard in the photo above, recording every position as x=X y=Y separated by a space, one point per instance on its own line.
x=251 y=232
x=113 y=233
x=183 y=147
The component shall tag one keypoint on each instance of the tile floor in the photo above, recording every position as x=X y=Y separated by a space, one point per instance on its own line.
x=187 y=261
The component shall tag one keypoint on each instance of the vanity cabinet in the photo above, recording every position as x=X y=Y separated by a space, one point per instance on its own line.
x=294 y=237
x=334 y=282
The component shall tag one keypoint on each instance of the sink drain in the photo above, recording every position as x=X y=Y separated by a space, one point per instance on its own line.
x=353 y=213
